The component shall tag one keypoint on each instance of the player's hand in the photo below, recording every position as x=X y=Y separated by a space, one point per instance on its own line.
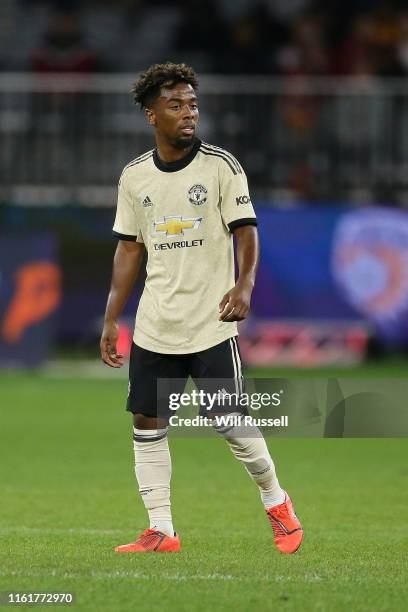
x=236 y=303
x=109 y=339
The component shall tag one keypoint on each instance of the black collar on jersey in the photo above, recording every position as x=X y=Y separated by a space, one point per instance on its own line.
x=179 y=164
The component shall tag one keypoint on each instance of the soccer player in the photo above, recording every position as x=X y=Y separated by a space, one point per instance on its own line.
x=183 y=202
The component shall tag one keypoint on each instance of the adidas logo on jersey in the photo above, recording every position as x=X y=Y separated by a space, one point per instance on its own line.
x=147 y=202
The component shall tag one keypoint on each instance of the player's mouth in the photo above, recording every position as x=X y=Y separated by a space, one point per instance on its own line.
x=188 y=130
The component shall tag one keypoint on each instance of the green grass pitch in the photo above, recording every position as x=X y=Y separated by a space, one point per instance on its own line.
x=68 y=496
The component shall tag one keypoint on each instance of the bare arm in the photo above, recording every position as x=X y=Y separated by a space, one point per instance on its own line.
x=126 y=266
x=235 y=304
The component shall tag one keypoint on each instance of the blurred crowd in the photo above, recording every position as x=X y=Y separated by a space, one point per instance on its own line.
x=286 y=37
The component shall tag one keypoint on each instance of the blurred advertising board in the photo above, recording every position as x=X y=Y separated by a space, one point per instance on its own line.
x=30 y=293
x=328 y=279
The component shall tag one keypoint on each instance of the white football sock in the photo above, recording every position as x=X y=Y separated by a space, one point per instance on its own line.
x=153 y=474
x=249 y=447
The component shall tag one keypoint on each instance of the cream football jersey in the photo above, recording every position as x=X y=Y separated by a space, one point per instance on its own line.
x=184 y=213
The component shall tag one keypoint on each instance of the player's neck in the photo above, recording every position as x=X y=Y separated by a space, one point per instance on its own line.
x=168 y=153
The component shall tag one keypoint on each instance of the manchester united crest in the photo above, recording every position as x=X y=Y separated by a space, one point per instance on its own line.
x=197 y=194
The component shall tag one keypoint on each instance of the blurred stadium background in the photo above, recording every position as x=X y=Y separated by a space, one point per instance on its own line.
x=310 y=96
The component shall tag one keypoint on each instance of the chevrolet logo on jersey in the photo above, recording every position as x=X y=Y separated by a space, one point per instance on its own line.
x=175 y=225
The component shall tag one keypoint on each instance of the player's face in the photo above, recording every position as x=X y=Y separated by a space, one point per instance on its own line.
x=175 y=115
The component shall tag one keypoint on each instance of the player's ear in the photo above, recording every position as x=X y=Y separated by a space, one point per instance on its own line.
x=151 y=117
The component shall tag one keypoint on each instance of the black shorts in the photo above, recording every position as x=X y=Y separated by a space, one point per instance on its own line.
x=152 y=376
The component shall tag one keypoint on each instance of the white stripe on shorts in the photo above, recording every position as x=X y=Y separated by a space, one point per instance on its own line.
x=239 y=366
x=236 y=362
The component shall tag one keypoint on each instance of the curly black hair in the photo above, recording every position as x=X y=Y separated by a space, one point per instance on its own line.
x=147 y=87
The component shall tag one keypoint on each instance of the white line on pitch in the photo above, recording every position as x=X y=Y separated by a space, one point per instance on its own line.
x=57 y=530
x=163 y=576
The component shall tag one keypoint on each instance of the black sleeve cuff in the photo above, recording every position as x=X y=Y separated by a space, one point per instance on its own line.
x=241 y=222
x=124 y=236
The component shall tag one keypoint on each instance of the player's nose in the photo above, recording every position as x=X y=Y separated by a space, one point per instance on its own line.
x=188 y=112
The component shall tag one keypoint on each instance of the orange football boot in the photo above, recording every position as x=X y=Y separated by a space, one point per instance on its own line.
x=286 y=526
x=152 y=540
